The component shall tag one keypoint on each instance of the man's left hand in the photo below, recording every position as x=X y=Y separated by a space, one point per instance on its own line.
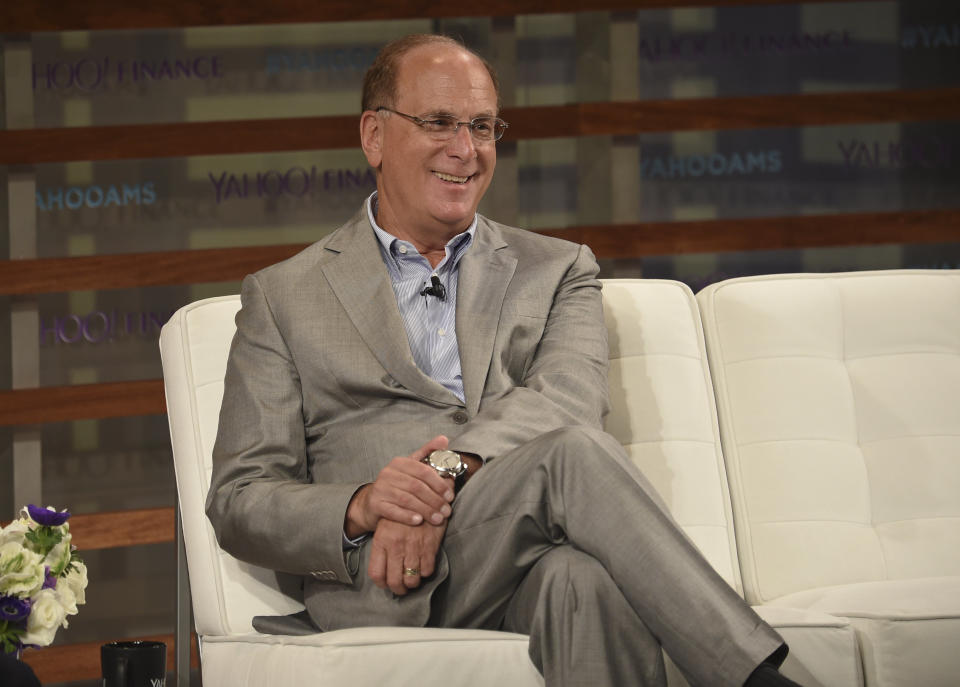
x=399 y=549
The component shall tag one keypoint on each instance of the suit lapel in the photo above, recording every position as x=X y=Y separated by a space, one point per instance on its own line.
x=485 y=272
x=359 y=279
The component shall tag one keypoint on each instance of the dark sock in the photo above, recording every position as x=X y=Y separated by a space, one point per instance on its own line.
x=767 y=675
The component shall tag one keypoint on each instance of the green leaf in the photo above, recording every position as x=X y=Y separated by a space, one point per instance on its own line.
x=43 y=539
x=74 y=559
x=10 y=636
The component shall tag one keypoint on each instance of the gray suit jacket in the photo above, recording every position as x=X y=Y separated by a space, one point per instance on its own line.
x=321 y=391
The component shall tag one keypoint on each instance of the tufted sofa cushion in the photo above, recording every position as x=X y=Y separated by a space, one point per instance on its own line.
x=664 y=414
x=839 y=406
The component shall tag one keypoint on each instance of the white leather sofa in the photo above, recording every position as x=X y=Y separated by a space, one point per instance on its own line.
x=663 y=412
x=839 y=404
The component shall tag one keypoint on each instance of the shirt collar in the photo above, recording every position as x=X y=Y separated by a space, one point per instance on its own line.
x=456 y=246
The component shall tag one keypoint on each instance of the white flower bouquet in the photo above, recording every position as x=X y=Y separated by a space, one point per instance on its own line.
x=42 y=580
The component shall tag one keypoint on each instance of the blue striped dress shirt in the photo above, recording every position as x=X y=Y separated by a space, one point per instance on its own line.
x=430 y=322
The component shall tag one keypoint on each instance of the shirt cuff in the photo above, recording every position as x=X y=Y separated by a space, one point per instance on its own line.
x=349 y=543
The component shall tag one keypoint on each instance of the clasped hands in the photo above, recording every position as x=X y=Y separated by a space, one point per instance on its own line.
x=406 y=508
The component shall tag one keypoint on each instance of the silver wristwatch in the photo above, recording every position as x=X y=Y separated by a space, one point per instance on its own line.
x=448 y=464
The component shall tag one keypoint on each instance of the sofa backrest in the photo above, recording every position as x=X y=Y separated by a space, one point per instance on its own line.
x=839 y=405
x=662 y=411
x=226 y=593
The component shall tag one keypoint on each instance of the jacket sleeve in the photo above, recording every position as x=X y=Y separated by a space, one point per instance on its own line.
x=262 y=504
x=566 y=382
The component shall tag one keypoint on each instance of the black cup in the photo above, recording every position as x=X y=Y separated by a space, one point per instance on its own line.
x=134 y=664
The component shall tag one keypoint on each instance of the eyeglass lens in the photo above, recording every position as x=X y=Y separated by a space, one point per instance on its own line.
x=481 y=128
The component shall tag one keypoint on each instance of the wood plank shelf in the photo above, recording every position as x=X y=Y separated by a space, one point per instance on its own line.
x=138 y=141
x=117 y=529
x=82 y=402
x=111 y=530
x=766 y=233
x=132 y=270
x=136 y=270
x=64 y=15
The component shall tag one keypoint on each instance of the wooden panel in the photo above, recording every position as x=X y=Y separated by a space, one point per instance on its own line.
x=33 y=146
x=36 y=146
x=54 y=275
x=63 y=15
x=75 y=662
x=122 y=528
x=81 y=402
x=766 y=233
x=748 y=112
x=48 y=275
x=110 y=530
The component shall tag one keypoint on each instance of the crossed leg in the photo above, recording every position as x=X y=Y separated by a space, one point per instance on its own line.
x=582 y=630
x=575 y=488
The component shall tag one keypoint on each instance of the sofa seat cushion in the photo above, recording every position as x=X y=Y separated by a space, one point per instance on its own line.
x=908 y=630
x=823 y=647
x=369 y=657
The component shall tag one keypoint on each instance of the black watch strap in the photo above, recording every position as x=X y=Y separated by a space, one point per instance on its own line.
x=460 y=480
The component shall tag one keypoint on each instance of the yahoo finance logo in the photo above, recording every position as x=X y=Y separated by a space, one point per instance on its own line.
x=936 y=36
x=919 y=153
x=734 y=44
x=337 y=60
x=101 y=326
x=102 y=73
x=95 y=196
x=294 y=182
x=712 y=165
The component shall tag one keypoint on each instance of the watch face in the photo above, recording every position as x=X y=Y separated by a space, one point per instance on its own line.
x=445 y=460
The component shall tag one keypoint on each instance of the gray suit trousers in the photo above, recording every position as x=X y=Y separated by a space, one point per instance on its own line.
x=564 y=539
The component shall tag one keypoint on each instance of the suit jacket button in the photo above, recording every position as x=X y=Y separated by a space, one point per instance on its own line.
x=460 y=417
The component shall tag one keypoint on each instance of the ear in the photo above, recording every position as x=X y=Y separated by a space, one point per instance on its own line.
x=371 y=138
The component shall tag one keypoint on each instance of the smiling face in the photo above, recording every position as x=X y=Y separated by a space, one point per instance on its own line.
x=429 y=189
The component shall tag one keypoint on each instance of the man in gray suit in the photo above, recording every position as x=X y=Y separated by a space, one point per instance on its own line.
x=412 y=420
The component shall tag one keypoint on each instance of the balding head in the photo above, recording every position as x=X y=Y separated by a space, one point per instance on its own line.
x=380 y=81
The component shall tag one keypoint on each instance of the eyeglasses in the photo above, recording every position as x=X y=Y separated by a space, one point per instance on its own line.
x=443 y=127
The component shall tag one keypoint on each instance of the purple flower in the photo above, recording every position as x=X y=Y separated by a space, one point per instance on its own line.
x=48 y=518
x=49 y=579
x=13 y=609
